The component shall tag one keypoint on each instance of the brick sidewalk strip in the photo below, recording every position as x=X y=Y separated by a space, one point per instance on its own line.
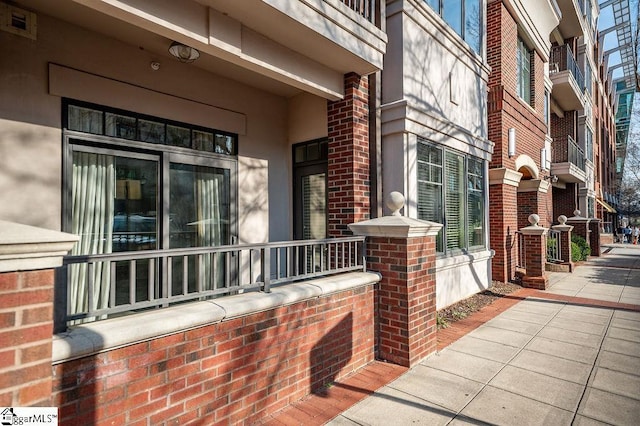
x=319 y=409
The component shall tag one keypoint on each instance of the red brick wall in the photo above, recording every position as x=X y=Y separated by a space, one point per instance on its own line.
x=536 y=249
x=535 y=202
x=348 y=162
x=503 y=228
x=406 y=298
x=506 y=110
x=233 y=372
x=564 y=200
x=26 y=326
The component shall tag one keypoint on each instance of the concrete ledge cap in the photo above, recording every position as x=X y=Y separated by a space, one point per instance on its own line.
x=24 y=247
x=395 y=227
x=534 y=230
x=101 y=336
x=563 y=228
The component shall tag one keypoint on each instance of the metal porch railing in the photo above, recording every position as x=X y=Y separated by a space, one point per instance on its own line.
x=520 y=250
x=554 y=253
x=127 y=282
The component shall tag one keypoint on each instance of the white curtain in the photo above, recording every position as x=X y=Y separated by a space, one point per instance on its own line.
x=208 y=190
x=93 y=205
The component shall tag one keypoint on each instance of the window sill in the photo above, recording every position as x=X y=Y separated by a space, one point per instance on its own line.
x=101 y=336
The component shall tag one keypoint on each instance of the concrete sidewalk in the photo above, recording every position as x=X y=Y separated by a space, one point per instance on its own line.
x=569 y=355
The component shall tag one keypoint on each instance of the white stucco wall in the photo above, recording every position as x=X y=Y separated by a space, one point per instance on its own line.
x=30 y=122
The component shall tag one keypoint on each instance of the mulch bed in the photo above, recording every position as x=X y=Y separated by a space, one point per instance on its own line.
x=468 y=306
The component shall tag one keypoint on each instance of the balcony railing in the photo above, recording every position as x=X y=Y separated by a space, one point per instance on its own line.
x=568 y=151
x=99 y=286
x=363 y=7
x=562 y=59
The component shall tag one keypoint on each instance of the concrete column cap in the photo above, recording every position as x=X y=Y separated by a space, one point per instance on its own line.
x=562 y=228
x=28 y=248
x=534 y=230
x=395 y=225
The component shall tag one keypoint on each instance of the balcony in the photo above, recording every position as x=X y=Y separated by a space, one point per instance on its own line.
x=571 y=22
x=568 y=161
x=568 y=82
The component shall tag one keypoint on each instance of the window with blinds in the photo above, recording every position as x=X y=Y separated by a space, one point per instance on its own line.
x=430 y=187
x=455 y=208
x=475 y=202
x=451 y=192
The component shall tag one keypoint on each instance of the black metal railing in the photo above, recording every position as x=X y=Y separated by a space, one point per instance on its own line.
x=566 y=150
x=562 y=59
x=90 y=287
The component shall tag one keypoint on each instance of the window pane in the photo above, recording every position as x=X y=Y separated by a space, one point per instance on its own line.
x=435 y=4
x=114 y=204
x=523 y=57
x=314 y=211
x=224 y=144
x=473 y=24
x=430 y=187
x=203 y=141
x=475 y=202
x=84 y=120
x=199 y=206
x=455 y=205
x=199 y=213
x=452 y=14
x=178 y=136
x=120 y=126
x=134 y=225
x=150 y=131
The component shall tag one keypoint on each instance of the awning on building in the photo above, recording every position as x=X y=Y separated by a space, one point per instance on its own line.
x=606 y=206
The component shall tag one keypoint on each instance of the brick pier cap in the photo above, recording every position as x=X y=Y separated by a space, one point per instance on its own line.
x=395 y=225
x=28 y=248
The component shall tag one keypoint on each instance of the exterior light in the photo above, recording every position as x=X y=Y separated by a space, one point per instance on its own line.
x=183 y=52
x=552 y=178
x=512 y=142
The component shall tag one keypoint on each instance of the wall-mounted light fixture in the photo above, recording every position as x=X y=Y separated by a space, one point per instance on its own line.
x=183 y=52
x=543 y=158
x=512 y=142
x=552 y=178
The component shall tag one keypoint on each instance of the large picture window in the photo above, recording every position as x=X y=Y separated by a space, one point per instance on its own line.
x=451 y=191
x=464 y=17
x=144 y=183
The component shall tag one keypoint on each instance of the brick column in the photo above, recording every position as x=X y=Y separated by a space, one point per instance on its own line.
x=403 y=251
x=594 y=236
x=503 y=222
x=26 y=313
x=580 y=225
x=535 y=241
x=565 y=241
x=348 y=162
